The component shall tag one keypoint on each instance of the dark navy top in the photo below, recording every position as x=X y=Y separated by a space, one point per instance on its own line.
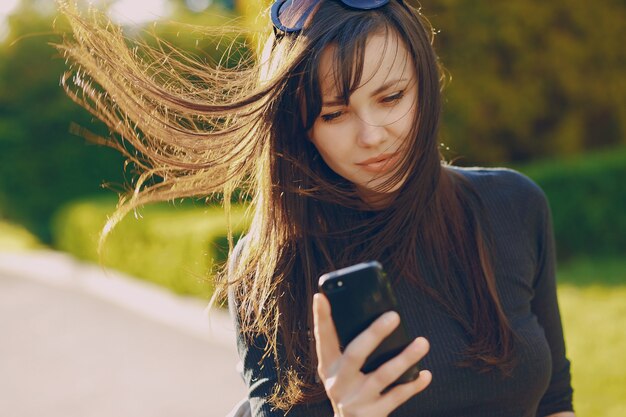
x=524 y=267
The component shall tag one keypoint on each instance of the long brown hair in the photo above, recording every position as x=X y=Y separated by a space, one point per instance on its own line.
x=247 y=128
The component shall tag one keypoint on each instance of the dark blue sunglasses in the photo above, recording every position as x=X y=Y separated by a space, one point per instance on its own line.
x=290 y=15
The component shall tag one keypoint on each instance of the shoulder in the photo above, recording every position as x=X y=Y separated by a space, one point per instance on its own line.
x=506 y=179
x=503 y=185
x=511 y=200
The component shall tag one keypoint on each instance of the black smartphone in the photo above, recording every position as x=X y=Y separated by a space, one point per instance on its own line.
x=358 y=295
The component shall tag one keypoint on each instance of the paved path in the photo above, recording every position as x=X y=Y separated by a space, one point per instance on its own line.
x=75 y=342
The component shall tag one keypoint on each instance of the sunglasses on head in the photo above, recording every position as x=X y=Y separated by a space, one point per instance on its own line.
x=289 y=16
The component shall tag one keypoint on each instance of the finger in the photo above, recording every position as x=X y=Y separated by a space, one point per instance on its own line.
x=391 y=370
x=401 y=393
x=326 y=341
x=365 y=343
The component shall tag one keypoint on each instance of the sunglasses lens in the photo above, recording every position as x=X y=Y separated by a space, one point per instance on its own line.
x=365 y=4
x=292 y=14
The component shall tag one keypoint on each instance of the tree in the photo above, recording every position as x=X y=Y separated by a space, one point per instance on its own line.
x=43 y=165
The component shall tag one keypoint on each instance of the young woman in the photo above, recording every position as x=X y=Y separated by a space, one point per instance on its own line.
x=333 y=131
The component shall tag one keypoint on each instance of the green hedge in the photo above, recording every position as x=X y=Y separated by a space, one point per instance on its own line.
x=587 y=195
x=176 y=247
x=14 y=238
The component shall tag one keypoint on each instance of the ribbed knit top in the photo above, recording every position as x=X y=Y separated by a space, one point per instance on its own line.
x=525 y=274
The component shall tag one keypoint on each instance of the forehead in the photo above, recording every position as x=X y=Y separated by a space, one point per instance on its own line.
x=385 y=58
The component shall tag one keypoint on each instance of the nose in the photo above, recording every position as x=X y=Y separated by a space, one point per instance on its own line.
x=370 y=134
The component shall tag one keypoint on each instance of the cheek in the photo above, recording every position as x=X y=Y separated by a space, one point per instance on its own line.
x=324 y=138
x=326 y=150
x=406 y=120
x=334 y=152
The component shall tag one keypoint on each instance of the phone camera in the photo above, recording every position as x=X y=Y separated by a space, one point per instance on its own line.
x=333 y=285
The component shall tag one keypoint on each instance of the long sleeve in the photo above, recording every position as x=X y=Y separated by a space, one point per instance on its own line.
x=260 y=376
x=260 y=371
x=558 y=396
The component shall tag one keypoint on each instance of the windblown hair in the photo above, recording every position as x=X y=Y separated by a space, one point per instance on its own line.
x=195 y=130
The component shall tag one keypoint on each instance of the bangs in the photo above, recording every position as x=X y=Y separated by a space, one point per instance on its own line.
x=348 y=59
x=348 y=46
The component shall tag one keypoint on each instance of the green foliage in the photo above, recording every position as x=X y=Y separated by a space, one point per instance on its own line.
x=598 y=271
x=42 y=166
x=531 y=78
x=587 y=198
x=176 y=247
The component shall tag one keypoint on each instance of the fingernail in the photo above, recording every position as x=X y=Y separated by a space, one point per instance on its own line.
x=422 y=341
x=390 y=317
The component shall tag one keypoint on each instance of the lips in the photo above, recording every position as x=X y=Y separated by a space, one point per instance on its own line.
x=380 y=163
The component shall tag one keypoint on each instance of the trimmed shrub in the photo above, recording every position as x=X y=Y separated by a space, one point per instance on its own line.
x=587 y=195
x=177 y=248
x=15 y=238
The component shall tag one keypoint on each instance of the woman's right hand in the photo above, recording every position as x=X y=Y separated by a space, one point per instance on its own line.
x=351 y=392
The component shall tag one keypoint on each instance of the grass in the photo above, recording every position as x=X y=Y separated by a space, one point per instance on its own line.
x=592 y=297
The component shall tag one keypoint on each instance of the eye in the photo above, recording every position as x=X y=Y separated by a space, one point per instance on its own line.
x=331 y=116
x=394 y=98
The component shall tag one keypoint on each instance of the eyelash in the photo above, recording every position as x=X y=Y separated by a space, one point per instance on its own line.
x=387 y=100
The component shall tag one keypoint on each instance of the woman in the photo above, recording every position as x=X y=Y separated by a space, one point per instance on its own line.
x=334 y=133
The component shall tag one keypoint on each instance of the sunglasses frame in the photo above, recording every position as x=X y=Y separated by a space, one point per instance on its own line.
x=278 y=26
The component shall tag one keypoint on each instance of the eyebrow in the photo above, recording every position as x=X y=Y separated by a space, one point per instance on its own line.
x=339 y=100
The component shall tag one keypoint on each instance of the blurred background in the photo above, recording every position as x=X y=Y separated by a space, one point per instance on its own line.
x=536 y=86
